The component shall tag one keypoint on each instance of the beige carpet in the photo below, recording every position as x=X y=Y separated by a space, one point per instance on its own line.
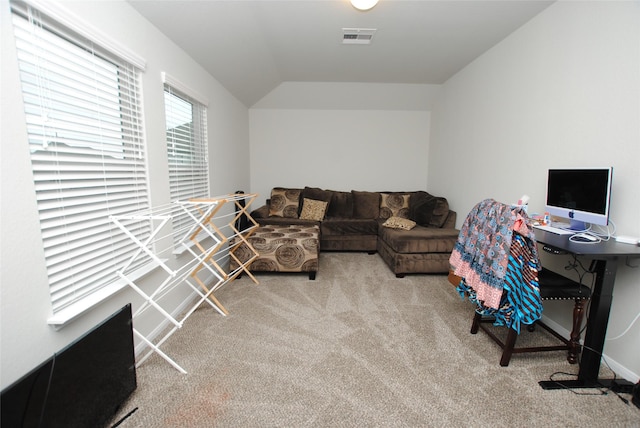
x=354 y=348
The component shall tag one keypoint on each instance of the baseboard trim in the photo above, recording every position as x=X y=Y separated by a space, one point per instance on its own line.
x=617 y=368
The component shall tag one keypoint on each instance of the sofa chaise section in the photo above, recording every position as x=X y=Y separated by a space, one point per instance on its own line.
x=360 y=221
x=421 y=249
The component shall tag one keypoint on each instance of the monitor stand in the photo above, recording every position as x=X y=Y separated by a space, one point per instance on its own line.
x=577 y=225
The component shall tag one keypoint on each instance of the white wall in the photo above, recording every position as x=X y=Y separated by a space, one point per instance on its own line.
x=341 y=136
x=26 y=339
x=562 y=91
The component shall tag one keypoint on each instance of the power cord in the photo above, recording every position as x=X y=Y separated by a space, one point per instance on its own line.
x=627 y=329
x=576 y=265
x=615 y=377
x=603 y=232
x=559 y=383
x=41 y=421
x=594 y=234
x=602 y=389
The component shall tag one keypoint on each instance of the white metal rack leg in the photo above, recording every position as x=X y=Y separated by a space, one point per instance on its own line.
x=202 y=244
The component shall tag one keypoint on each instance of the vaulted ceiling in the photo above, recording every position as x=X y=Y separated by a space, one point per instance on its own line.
x=251 y=47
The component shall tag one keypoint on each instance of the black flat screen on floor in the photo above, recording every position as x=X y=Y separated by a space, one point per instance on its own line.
x=81 y=386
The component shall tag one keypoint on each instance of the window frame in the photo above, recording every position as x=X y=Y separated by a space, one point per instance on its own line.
x=187 y=149
x=65 y=148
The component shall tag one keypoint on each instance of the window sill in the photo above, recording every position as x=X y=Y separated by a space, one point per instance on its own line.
x=70 y=313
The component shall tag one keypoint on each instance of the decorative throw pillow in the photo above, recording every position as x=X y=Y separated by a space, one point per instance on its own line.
x=341 y=205
x=421 y=207
x=399 y=223
x=284 y=202
x=394 y=205
x=366 y=204
x=440 y=212
x=316 y=194
x=313 y=210
x=428 y=210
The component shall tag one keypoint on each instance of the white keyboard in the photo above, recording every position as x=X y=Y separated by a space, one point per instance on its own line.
x=556 y=230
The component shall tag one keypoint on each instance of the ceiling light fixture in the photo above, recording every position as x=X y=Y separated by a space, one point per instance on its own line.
x=364 y=4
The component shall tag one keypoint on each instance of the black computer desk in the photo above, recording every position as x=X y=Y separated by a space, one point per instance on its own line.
x=606 y=256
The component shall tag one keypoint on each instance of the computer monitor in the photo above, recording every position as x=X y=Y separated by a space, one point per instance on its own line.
x=581 y=195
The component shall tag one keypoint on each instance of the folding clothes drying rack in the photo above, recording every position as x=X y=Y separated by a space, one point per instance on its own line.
x=201 y=244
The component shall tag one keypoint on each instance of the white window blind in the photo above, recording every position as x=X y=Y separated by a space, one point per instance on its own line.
x=82 y=107
x=186 y=129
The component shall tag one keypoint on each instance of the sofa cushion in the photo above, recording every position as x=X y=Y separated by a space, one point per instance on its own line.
x=346 y=227
x=316 y=194
x=341 y=205
x=421 y=207
x=428 y=210
x=261 y=212
x=394 y=205
x=420 y=239
x=440 y=212
x=399 y=223
x=313 y=209
x=366 y=205
x=284 y=202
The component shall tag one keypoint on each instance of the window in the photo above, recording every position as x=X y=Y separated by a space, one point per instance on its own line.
x=82 y=109
x=186 y=129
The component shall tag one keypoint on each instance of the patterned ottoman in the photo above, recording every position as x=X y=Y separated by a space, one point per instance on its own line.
x=282 y=248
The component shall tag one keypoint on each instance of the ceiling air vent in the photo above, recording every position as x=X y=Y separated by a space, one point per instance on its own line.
x=357 y=36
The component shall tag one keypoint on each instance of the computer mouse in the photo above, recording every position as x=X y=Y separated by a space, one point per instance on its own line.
x=584 y=237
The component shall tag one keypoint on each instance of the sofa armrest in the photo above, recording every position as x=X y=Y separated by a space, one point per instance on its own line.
x=450 y=222
x=262 y=212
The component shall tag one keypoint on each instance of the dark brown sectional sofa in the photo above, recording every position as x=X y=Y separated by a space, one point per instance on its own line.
x=414 y=232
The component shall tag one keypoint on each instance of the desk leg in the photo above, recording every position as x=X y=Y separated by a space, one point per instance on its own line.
x=601 y=299
x=598 y=319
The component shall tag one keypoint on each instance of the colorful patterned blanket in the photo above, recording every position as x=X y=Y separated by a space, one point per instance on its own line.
x=520 y=303
x=481 y=254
